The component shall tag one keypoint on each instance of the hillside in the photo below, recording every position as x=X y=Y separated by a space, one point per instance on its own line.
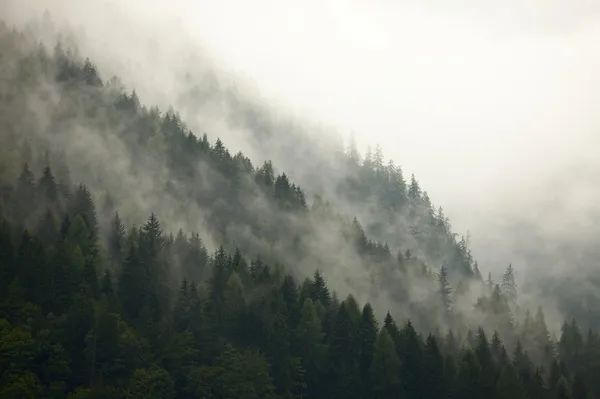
x=141 y=259
x=136 y=160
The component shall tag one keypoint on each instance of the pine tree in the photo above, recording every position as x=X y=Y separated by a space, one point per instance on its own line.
x=444 y=289
x=523 y=365
x=64 y=279
x=390 y=325
x=289 y=294
x=239 y=265
x=537 y=388
x=414 y=191
x=411 y=358
x=554 y=375
x=133 y=284
x=451 y=346
x=468 y=379
x=509 y=287
x=343 y=361
x=232 y=308
x=309 y=335
x=434 y=381
x=321 y=292
x=153 y=235
x=486 y=363
x=116 y=240
x=47 y=229
x=220 y=275
x=83 y=205
x=352 y=153
x=353 y=309
x=152 y=257
x=280 y=357
x=78 y=235
x=196 y=260
x=48 y=189
x=378 y=158
x=498 y=351
x=508 y=385
x=181 y=310
x=385 y=369
x=562 y=390
x=367 y=335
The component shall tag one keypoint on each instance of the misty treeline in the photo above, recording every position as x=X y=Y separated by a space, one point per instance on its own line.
x=58 y=112
x=98 y=298
x=88 y=317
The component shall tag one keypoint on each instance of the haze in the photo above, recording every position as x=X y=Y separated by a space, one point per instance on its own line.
x=491 y=106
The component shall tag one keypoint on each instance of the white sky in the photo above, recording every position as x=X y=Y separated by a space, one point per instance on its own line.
x=486 y=102
x=448 y=91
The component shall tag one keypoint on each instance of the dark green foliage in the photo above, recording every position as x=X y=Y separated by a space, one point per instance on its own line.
x=508 y=385
x=133 y=284
x=153 y=382
x=385 y=369
x=243 y=334
x=343 y=362
x=367 y=335
x=116 y=240
x=434 y=373
x=320 y=290
x=310 y=337
x=562 y=390
x=236 y=375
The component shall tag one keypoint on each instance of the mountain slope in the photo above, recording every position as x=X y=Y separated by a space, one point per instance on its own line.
x=139 y=161
x=103 y=294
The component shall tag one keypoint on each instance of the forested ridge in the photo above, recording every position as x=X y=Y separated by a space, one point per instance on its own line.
x=108 y=291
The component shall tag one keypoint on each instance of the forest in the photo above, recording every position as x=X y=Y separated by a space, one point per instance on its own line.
x=139 y=259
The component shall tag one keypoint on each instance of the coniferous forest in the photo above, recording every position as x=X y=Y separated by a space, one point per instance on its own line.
x=140 y=259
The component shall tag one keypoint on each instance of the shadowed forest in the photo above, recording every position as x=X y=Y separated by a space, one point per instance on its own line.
x=140 y=259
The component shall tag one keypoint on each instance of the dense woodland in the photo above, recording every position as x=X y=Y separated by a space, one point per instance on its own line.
x=140 y=260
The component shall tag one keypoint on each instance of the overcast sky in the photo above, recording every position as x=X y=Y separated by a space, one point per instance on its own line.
x=493 y=105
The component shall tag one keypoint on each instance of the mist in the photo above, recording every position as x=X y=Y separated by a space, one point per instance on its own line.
x=492 y=109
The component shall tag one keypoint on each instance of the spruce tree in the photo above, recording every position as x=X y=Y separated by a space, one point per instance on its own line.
x=445 y=291
x=321 y=292
x=434 y=381
x=509 y=286
x=562 y=390
x=385 y=368
x=309 y=336
x=508 y=385
x=367 y=334
x=116 y=240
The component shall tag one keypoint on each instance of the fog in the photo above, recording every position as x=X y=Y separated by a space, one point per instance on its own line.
x=492 y=107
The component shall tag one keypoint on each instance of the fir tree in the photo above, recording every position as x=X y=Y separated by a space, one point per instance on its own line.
x=444 y=289
x=509 y=287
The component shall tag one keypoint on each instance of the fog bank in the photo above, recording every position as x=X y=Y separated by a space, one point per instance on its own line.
x=491 y=107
